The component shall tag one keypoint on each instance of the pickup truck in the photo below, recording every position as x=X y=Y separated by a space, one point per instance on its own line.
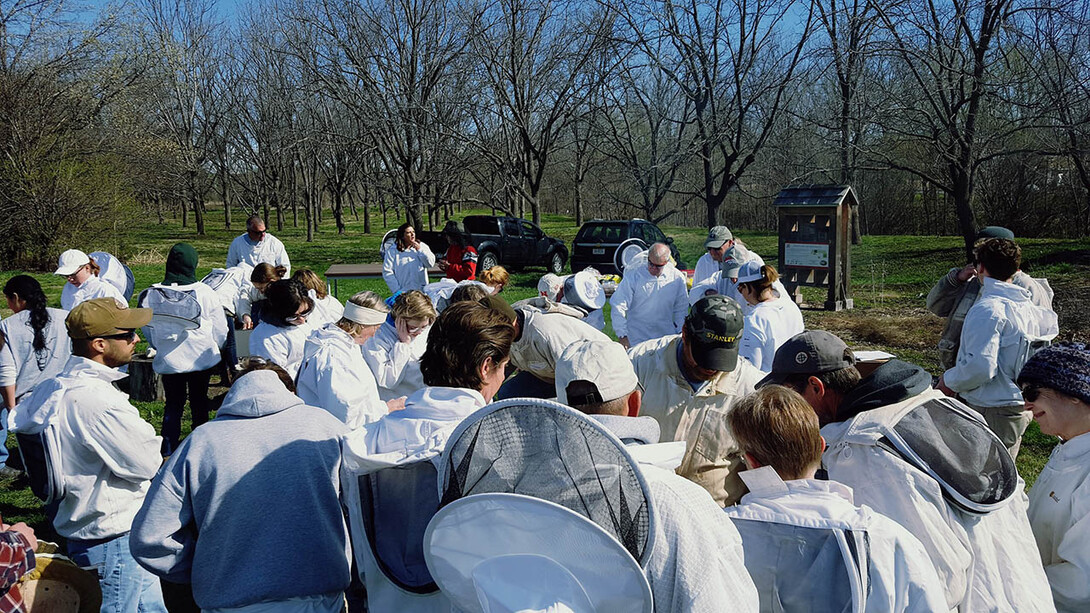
x=511 y=241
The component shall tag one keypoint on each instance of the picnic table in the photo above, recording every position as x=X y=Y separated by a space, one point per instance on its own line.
x=337 y=272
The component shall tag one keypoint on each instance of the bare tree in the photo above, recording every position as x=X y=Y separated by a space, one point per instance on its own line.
x=953 y=72
x=183 y=37
x=736 y=62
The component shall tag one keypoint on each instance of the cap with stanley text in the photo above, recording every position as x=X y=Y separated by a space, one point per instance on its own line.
x=715 y=327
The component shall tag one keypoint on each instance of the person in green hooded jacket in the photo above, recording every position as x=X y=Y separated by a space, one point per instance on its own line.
x=187 y=332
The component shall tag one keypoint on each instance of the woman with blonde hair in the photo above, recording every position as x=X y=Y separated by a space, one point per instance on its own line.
x=251 y=298
x=772 y=319
x=405 y=265
x=327 y=309
x=496 y=278
x=394 y=352
x=333 y=374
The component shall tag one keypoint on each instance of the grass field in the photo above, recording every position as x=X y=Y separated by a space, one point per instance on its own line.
x=891 y=275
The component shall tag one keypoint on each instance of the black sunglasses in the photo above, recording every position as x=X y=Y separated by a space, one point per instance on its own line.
x=1031 y=392
x=124 y=336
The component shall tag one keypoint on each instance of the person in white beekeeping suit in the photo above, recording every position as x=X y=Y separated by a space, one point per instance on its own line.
x=772 y=318
x=187 y=330
x=690 y=382
x=405 y=264
x=540 y=338
x=284 y=326
x=651 y=301
x=467 y=352
x=394 y=352
x=82 y=274
x=698 y=556
x=789 y=519
x=333 y=374
x=257 y=246
x=721 y=246
x=1056 y=386
x=926 y=461
x=1002 y=330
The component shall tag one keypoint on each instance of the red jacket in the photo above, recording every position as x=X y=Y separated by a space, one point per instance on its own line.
x=462 y=263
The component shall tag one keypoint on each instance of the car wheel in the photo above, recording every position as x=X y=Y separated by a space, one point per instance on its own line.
x=556 y=263
x=488 y=260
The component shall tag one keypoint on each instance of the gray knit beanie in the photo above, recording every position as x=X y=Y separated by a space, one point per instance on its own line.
x=1064 y=367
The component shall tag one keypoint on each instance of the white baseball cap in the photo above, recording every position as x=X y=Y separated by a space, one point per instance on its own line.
x=70 y=261
x=749 y=272
x=601 y=363
x=549 y=286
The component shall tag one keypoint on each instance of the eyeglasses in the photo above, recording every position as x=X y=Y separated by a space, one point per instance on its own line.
x=1031 y=392
x=654 y=265
x=256 y=232
x=302 y=316
x=129 y=335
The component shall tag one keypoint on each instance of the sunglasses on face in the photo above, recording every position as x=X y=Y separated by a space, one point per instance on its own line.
x=1031 y=392
x=124 y=336
x=302 y=316
x=256 y=232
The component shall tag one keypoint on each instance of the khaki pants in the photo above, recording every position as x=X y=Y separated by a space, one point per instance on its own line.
x=1008 y=423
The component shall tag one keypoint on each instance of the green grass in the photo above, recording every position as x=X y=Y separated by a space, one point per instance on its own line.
x=891 y=275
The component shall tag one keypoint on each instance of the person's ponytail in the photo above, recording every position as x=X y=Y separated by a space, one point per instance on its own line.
x=29 y=290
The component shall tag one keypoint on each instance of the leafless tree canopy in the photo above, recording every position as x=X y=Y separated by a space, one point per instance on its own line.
x=943 y=115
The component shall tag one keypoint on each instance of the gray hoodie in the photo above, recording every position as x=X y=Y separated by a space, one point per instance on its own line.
x=247 y=509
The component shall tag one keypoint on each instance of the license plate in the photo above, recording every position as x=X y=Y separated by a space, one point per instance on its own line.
x=598 y=251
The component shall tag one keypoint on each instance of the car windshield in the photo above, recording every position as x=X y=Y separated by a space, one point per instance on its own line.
x=603 y=232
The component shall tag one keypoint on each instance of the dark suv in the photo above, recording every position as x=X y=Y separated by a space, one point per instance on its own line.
x=511 y=241
x=597 y=242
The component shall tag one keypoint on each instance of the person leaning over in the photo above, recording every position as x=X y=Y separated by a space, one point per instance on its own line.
x=247 y=509
x=691 y=380
x=1002 y=330
x=333 y=374
x=696 y=564
x=104 y=455
x=779 y=435
x=721 y=246
x=257 y=246
x=327 y=309
x=395 y=351
x=954 y=294
x=284 y=326
x=927 y=462
x=82 y=273
x=1056 y=386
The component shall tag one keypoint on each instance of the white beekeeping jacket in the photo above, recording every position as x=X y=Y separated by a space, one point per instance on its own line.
x=396 y=365
x=1059 y=511
x=645 y=307
x=986 y=561
x=333 y=375
x=806 y=542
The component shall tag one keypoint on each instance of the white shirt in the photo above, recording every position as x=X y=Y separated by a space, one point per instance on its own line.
x=1059 y=512
x=282 y=346
x=767 y=326
x=269 y=250
x=108 y=453
x=20 y=364
x=1002 y=331
x=706 y=266
x=178 y=350
x=406 y=270
x=327 y=310
x=396 y=365
x=333 y=375
x=92 y=288
x=985 y=563
x=645 y=307
x=901 y=576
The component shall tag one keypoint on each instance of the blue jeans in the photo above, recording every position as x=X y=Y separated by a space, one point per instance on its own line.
x=3 y=436
x=126 y=586
x=526 y=385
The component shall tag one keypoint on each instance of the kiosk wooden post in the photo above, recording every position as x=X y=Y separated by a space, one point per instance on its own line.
x=815 y=240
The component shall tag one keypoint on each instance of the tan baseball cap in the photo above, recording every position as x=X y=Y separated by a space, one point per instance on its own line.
x=101 y=317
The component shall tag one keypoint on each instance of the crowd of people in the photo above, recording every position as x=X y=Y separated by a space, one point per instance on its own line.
x=366 y=453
